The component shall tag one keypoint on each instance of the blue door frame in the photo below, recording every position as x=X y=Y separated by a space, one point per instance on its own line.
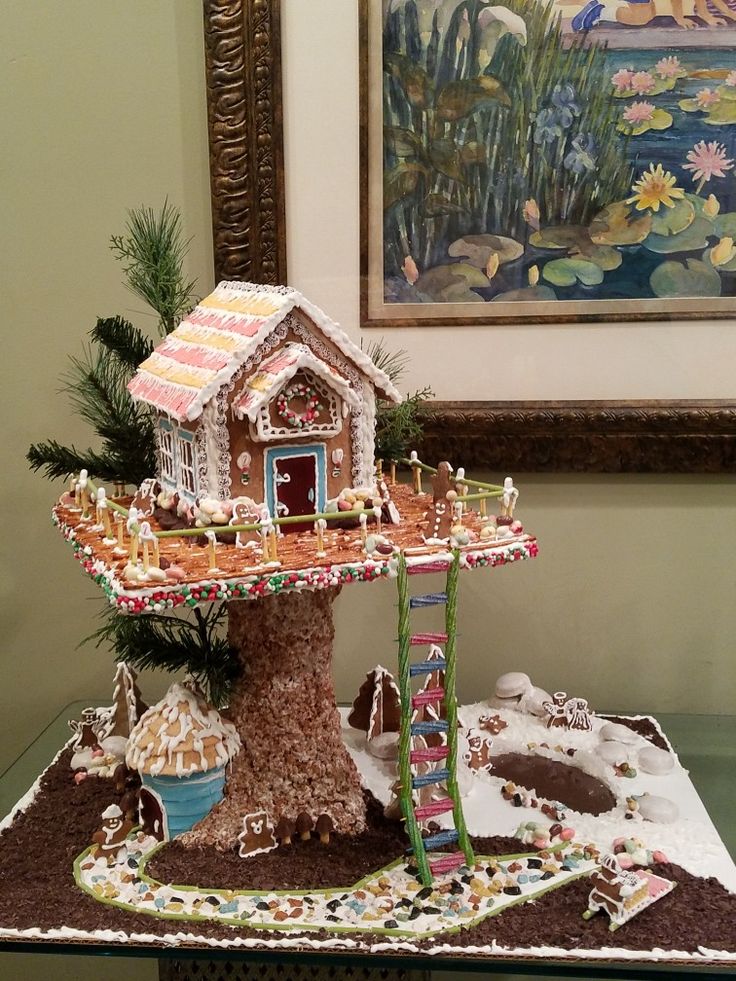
x=316 y=450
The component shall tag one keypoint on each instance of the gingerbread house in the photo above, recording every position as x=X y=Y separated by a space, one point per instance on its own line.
x=259 y=394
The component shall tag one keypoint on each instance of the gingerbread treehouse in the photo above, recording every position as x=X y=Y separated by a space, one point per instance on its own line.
x=265 y=419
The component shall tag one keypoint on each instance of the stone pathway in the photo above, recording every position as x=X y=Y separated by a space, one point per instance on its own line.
x=390 y=901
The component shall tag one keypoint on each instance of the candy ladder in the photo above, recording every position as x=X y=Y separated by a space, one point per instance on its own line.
x=414 y=814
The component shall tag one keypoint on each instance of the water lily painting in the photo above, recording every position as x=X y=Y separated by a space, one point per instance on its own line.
x=548 y=160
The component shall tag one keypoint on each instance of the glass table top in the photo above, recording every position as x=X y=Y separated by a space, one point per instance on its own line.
x=706 y=746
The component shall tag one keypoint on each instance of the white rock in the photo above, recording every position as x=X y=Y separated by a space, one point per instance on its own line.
x=655 y=760
x=622 y=734
x=82 y=758
x=115 y=746
x=532 y=701
x=512 y=704
x=385 y=746
x=613 y=752
x=658 y=809
x=512 y=684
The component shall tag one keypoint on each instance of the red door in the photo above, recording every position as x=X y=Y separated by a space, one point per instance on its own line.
x=296 y=489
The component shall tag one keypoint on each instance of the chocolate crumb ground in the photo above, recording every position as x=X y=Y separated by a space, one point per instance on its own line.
x=644 y=727
x=37 y=887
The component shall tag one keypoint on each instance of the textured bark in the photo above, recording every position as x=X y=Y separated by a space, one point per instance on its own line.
x=293 y=758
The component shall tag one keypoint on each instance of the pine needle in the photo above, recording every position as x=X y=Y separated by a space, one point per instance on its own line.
x=194 y=643
x=152 y=252
x=398 y=427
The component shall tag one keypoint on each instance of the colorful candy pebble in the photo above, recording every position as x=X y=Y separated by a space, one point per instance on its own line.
x=567 y=834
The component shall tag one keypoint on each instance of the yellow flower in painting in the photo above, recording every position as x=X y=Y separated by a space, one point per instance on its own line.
x=656 y=186
x=533 y=275
x=723 y=252
x=493 y=263
x=712 y=206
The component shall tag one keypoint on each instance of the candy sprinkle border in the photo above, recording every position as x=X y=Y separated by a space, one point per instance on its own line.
x=160 y=598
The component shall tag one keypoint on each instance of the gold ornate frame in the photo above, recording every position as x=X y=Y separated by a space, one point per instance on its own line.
x=243 y=66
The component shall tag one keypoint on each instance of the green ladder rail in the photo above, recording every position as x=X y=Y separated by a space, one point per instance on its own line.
x=443 y=758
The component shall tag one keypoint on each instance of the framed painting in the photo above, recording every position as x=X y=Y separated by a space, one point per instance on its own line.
x=524 y=430
x=548 y=160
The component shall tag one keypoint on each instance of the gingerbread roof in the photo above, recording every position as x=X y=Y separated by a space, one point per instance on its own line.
x=189 y=367
x=181 y=735
x=281 y=368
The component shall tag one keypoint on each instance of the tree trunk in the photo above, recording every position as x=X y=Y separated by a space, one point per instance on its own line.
x=293 y=758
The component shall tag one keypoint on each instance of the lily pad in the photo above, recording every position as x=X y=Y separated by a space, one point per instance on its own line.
x=723 y=113
x=688 y=279
x=695 y=236
x=567 y=272
x=724 y=267
x=670 y=221
x=727 y=92
x=690 y=105
x=478 y=249
x=725 y=225
x=526 y=294
x=660 y=85
x=661 y=119
x=445 y=158
x=699 y=206
x=452 y=283
x=576 y=239
x=619 y=224
x=559 y=236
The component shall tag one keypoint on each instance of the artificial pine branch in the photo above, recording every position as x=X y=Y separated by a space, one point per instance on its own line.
x=118 y=336
x=398 y=427
x=173 y=643
x=152 y=252
x=57 y=461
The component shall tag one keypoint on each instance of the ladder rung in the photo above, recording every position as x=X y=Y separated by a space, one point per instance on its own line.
x=442 y=565
x=427 y=697
x=422 y=728
x=446 y=863
x=416 y=639
x=428 y=599
x=424 y=667
x=434 y=808
x=440 y=838
x=432 y=754
x=425 y=779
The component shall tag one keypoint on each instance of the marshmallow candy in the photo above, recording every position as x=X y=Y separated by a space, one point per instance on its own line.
x=656 y=761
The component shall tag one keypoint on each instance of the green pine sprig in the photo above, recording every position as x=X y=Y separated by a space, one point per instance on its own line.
x=398 y=427
x=194 y=643
x=152 y=252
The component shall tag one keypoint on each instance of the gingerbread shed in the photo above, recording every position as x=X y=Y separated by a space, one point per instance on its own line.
x=259 y=394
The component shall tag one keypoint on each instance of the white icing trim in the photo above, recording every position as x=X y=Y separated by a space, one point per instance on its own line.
x=213 y=381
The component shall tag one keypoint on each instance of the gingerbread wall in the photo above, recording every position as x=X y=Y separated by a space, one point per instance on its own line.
x=241 y=439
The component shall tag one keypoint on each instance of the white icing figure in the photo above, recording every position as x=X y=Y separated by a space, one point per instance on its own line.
x=111 y=837
x=510 y=497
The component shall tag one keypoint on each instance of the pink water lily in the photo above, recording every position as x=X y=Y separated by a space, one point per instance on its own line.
x=642 y=82
x=731 y=78
x=668 y=67
x=707 y=97
x=639 y=112
x=622 y=79
x=708 y=160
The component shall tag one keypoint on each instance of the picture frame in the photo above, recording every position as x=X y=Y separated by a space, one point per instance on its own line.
x=245 y=125
x=423 y=200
